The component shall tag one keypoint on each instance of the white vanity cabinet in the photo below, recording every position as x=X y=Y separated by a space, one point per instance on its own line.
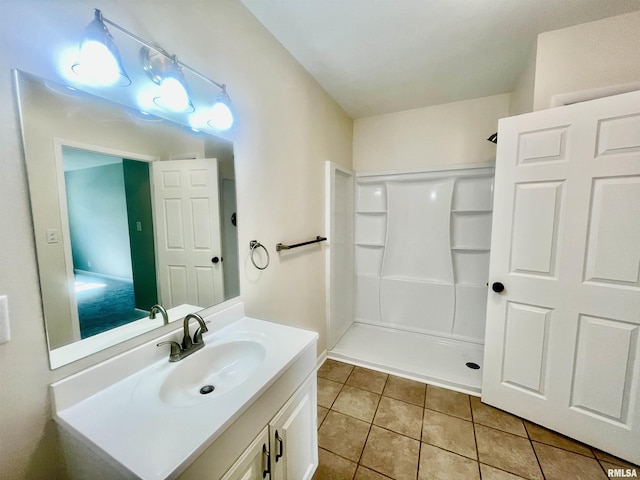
x=254 y=462
x=288 y=447
x=117 y=420
x=293 y=436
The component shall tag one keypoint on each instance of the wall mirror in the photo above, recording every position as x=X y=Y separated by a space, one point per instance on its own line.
x=129 y=210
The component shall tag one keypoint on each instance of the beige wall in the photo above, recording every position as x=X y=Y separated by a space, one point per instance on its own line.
x=289 y=126
x=449 y=134
x=587 y=56
x=522 y=95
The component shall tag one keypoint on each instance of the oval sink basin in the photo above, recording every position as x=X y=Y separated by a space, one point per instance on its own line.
x=206 y=374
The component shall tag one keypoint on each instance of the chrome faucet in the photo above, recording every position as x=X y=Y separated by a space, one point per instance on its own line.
x=159 y=309
x=178 y=352
x=197 y=342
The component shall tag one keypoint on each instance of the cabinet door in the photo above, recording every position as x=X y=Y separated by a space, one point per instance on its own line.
x=294 y=436
x=253 y=464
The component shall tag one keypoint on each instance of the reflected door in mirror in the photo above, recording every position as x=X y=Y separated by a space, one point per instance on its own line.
x=188 y=223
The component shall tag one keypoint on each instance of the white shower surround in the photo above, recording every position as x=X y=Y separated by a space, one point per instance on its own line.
x=421 y=270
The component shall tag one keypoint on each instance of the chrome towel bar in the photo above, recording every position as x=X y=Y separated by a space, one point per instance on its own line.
x=281 y=246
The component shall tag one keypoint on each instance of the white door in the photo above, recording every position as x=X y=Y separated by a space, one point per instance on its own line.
x=187 y=229
x=563 y=338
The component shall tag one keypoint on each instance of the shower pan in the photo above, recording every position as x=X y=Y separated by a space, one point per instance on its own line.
x=420 y=267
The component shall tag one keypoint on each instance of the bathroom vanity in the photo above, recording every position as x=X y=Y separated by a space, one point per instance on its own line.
x=243 y=407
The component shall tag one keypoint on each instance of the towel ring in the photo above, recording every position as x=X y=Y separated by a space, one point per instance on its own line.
x=256 y=244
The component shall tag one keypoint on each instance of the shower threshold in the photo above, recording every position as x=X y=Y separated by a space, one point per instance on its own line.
x=416 y=356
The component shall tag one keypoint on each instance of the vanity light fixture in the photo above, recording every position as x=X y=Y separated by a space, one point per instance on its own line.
x=163 y=68
x=99 y=61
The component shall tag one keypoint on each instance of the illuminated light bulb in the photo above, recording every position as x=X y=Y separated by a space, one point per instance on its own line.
x=99 y=61
x=221 y=116
x=173 y=91
x=173 y=95
x=97 y=65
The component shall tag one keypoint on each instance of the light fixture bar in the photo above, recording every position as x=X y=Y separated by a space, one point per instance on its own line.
x=159 y=49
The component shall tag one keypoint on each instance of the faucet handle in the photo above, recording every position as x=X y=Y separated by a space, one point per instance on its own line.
x=174 y=356
x=197 y=336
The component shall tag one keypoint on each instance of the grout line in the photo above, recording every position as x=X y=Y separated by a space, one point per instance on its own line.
x=424 y=408
x=534 y=450
x=475 y=439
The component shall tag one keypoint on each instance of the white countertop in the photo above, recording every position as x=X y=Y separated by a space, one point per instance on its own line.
x=154 y=440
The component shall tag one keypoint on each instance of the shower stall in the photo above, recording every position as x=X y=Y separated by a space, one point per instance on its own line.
x=408 y=270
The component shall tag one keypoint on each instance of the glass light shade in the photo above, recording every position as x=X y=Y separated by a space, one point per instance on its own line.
x=221 y=114
x=173 y=92
x=99 y=61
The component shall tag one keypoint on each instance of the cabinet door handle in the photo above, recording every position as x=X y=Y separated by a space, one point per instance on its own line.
x=280 y=450
x=266 y=462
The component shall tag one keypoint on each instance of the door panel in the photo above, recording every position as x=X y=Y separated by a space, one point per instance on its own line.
x=535 y=228
x=612 y=257
x=525 y=359
x=604 y=378
x=547 y=145
x=562 y=339
x=619 y=135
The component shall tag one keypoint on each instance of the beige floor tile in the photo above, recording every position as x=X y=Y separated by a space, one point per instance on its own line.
x=491 y=473
x=450 y=433
x=333 y=467
x=392 y=454
x=343 y=435
x=336 y=371
x=399 y=417
x=492 y=417
x=406 y=390
x=543 y=435
x=364 y=473
x=448 y=401
x=357 y=403
x=507 y=452
x=600 y=455
x=322 y=412
x=558 y=464
x=327 y=392
x=367 y=379
x=438 y=464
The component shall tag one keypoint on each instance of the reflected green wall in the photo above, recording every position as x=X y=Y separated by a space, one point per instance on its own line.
x=138 y=192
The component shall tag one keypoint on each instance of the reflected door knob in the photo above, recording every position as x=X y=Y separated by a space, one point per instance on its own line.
x=497 y=287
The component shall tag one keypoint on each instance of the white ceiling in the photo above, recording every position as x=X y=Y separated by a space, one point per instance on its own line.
x=381 y=56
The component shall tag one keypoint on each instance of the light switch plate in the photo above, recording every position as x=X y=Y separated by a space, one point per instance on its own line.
x=5 y=330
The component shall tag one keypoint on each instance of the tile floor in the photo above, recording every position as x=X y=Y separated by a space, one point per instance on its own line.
x=374 y=426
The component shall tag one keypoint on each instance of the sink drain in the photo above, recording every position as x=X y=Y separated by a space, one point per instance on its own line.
x=207 y=389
